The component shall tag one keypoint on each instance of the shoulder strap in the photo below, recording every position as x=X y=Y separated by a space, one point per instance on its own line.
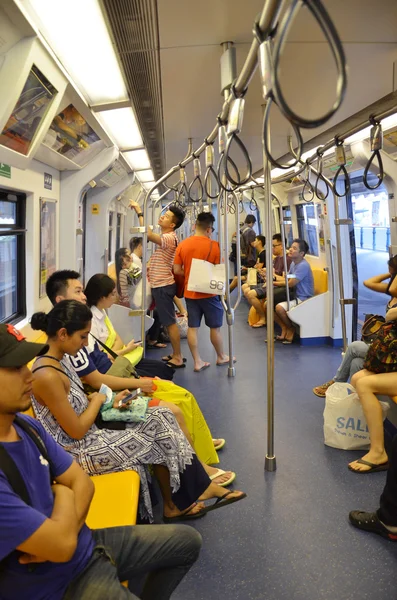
x=209 y=253
x=11 y=471
x=36 y=439
x=61 y=371
x=108 y=350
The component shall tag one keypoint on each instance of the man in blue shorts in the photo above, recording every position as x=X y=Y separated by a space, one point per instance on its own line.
x=300 y=277
x=198 y=305
x=46 y=549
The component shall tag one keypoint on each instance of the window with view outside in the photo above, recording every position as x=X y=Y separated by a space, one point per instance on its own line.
x=308 y=226
x=12 y=257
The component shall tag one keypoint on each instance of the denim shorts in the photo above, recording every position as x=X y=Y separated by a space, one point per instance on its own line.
x=164 y=299
x=211 y=308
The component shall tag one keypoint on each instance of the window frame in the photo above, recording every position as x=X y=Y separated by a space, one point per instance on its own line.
x=300 y=217
x=19 y=230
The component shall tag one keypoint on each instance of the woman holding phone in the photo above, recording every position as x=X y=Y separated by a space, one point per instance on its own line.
x=70 y=417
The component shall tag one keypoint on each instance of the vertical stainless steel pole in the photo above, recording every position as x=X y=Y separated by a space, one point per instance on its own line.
x=282 y=227
x=270 y=460
x=231 y=371
x=342 y=300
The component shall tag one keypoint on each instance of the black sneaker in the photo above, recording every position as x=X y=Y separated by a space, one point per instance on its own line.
x=370 y=522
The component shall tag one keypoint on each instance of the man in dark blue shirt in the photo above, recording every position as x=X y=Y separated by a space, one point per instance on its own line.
x=46 y=550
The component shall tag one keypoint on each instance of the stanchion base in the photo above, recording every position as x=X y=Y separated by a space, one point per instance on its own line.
x=270 y=463
x=231 y=371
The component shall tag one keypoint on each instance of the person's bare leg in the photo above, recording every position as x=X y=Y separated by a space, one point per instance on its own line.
x=193 y=346
x=178 y=414
x=180 y=306
x=245 y=288
x=175 y=339
x=169 y=508
x=281 y=318
x=233 y=284
x=367 y=386
x=217 y=342
x=257 y=304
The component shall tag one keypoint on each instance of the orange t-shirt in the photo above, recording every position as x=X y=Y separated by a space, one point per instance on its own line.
x=196 y=246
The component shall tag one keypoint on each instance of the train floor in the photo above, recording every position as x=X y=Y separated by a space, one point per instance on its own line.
x=290 y=538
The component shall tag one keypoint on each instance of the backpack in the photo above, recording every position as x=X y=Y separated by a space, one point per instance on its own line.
x=246 y=249
x=12 y=473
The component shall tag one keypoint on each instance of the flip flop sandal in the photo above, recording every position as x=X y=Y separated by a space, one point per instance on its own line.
x=174 y=366
x=220 y=445
x=256 y=326
x=220 y=472
x=225 y=364
x=202 y=368
x=155 y=346
x=185 y=516
x=169 y=357
x=374 y=467
x=222 y=502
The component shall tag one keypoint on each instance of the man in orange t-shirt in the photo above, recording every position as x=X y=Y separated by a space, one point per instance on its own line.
x=201 y=246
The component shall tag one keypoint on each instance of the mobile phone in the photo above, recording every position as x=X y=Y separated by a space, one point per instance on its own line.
x=130 y=397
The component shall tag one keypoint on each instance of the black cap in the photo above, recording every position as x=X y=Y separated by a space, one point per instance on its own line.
x=15 y=351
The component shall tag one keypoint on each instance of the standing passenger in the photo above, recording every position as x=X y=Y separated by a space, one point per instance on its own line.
x=201 y=246
x=161 y=276
x=247 y=242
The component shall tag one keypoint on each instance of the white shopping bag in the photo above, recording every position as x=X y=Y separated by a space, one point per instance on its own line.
x=252 y=276
x=136 y=295
x=344 y=422
x=206 y=278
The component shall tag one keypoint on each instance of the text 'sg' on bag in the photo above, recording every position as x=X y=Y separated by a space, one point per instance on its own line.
x=206 y=278
x=345 y=426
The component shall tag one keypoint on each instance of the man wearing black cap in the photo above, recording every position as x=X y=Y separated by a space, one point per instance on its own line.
x=46 y=550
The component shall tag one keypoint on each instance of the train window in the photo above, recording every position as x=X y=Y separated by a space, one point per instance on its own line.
x=110 y=236
x=118 y=230
x=307 y=226
x=12 y=257
x=288 y=224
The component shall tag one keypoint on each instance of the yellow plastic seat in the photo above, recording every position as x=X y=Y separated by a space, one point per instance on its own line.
x=320 y=279
x=115 y=502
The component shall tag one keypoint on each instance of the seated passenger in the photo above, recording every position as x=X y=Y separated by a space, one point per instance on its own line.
x=379 y=376
x=300 y=277
x=46 y=549
x=384 y=520
x=259 y=245
x=356 y=352
x=65 y=285
x=70 y=417
x=100 y=296
x=128 y=275
x=255 y=294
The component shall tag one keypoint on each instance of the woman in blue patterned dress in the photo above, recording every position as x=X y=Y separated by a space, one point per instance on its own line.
x=69 y=416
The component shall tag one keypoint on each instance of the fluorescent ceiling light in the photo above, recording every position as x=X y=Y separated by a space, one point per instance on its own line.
x=83 y=45
x=145 y=175
x=137 y=159
x=147 y=184
x=121 y=124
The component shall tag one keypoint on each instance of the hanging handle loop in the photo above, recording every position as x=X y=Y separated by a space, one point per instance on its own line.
x=376 y=146
x=253 y=202
x=341 y=161
x=197 y=178
x=307 y=187
x=210 y=172
x=183 y=190
x=320 y=177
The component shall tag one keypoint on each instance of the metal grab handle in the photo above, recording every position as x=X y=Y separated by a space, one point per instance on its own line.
x=375 y=154
x=200 y=194
x=323 y=19
x=320 y=177
x=376 y=147
x=223 y=184
x=266 y=148
x=253 y=202
x=207 y=182
x=331 y=261
x=342 y=169
x=308 y=187
x=341 y=161
x=241 y=180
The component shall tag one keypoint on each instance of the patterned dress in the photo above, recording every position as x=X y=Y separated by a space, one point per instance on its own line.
x=158 y=440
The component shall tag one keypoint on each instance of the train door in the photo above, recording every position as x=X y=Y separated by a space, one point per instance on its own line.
x=80 y=236
x=369 y=210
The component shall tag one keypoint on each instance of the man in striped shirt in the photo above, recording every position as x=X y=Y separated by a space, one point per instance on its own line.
x=161 y=275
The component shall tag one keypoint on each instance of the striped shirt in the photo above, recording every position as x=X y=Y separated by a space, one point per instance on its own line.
x=161 y=262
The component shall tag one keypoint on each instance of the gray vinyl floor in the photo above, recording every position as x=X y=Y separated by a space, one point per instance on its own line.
x=290 y=539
